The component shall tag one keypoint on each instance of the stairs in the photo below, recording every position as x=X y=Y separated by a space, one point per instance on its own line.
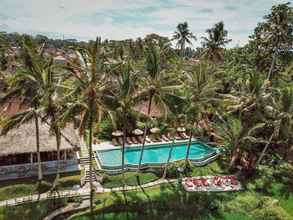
x=85 y=162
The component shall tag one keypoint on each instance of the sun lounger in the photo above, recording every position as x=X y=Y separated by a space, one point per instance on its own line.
x=148 y=140
x=115 y=142
x=183 y=135
x=120 y=141
x=189 y=183
x=154 y=139
x=134 y=140
x=165 y=138
x=139 y=139
x=158 y=139
x=205 y=181
x=196 y=182
x=217 y=181
x=233 y=180
x=128 y=141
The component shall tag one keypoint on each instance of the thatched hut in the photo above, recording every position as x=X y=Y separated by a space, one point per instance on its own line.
x=18 y=151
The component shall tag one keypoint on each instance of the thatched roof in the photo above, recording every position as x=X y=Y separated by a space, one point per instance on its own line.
x=12 y=107
x=143 y=109
x=23 y=140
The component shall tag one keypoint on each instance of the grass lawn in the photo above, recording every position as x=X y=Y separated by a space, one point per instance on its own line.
x=32 y=211
x=269 y=196
x=146 y=177
x=130 y=179
x=16 y=188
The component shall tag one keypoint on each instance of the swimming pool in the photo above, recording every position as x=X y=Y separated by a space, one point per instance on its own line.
x=155 y=155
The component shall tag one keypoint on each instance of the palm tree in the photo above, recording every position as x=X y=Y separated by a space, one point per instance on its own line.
x=201 y=90
x=25 y=86
x=238 y=138
x=51 y=107
x=85 y=87
x=215 y=42
x=121 y=101
x=183 y=35
x=280 y=112
x=176 y=105
x=156 y=86
x=274 y=36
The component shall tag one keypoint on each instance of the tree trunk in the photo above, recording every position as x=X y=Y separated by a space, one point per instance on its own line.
x=264 y=151
x=40 y=173
x=169 y=158
x=91 y=164
x=123 y=145
x=188 y=146
x=234 y=157
x=145 y=133
x=182 y=49
x=270 y=74
x=58 y=140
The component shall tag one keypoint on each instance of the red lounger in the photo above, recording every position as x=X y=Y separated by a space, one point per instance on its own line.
x=188 y=183
x=217 y=181
x=204 y=181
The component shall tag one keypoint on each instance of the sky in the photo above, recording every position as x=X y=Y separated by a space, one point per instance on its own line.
x=122 y=19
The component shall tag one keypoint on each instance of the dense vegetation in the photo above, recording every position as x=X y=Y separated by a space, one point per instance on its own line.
x=240 y=98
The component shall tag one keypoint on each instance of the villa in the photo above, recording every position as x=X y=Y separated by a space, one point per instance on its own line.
x=18 y=157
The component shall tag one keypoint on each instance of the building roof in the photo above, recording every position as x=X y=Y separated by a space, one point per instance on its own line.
x=143 y=109
x=23 y=140
x=12 y=107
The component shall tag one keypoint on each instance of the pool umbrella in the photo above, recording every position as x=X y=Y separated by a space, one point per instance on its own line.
x=155 y=130
x=181 y=129
x=137 y=132
x=117 y=133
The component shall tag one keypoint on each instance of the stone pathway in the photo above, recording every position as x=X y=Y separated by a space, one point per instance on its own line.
x=70 y=208
x=44 y=196
x=83 y=192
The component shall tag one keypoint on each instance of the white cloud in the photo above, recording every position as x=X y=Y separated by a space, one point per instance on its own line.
x=120 y=19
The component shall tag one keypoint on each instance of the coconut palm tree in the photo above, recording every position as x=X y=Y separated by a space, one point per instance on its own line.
x=215 y=42
x=238 y=138
x=280 y=112
x=156 y=85
x=25 y=86
x=201 y=90
x=176 y=105
x=274 y=36
x=85 y=86
x=183 y=35
x=121 y=100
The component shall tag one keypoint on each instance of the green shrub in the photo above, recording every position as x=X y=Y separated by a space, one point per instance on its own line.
x=105 y=129
x=244 y=203
x=173 y=168
x=270 y=211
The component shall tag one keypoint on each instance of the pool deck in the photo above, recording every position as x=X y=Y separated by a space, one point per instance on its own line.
x=107 y=145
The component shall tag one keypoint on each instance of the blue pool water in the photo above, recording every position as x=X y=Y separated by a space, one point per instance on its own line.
x=155 y=154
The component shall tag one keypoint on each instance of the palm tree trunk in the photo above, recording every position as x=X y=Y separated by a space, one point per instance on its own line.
x=40 y=173
x=123 y=146
x=169 y=158
x=58 y=140
x=264 y=151
x=144 y=133
x=188 y=147
x=91 y=163
x=270 y=74
x=182 y=49
x=91 y=158
x=234 y=156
